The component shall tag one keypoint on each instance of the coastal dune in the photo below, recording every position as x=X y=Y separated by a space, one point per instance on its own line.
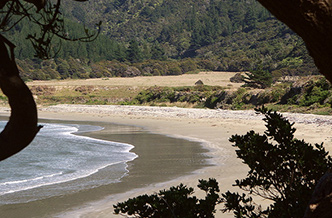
x=212 y=128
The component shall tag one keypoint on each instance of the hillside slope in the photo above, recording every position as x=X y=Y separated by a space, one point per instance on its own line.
x=234 y=35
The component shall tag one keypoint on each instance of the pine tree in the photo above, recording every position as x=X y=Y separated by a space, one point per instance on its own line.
x=134 y=52
x=258 y=79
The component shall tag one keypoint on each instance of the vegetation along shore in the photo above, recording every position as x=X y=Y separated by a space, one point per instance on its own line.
x=309 y=94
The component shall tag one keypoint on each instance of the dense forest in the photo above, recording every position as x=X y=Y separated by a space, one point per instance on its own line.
x=156 y=37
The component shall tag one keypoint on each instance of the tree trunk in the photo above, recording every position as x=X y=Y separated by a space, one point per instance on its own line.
x=321 y=201
x=22 y=125
x=311 y=20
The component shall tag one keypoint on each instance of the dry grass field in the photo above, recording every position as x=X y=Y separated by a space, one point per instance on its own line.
x=208 y=78
x=115 y=90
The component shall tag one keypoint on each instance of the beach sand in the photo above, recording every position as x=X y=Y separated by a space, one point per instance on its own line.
x=210 y=127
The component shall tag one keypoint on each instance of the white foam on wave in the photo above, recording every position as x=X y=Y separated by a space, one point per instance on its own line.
x=54 y=182
x=70 y=171
x=28 y=180
x=128 y=147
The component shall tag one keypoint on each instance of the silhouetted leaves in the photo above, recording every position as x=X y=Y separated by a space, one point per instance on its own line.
x=283 y=169
x=175 y=202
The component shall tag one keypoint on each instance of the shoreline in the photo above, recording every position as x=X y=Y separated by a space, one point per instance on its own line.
x=213 y=127
x=152 y=165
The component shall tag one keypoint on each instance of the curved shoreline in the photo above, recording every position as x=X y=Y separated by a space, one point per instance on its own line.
x=211 y=126
x=188 y=158
x=137 y=167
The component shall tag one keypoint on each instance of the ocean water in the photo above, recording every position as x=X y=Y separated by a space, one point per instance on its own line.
x=59 y=162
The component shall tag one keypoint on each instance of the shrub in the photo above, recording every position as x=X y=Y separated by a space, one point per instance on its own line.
x=258 y=79
x=188 y=65
x=38 y=75
x=237 y=98
x=316 y=92
x=174 y=71
x=237 y=78
x=212 y=101
x=282 y=169
x=207 y=65
x=315 y=95
x=175 y=202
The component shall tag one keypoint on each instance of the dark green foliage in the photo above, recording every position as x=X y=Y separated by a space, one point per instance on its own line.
x=213 y=100
x=157 y=52
x=258 y=79
x=134 y=52
x=282 y=169
x=316 y=92
x=193 y=95
x=101 y=48
x=242 y=206
x=227 y=35
x=73 y=68
x=188 y=65
x=63 y=68
x=174 y=71
x=176 y=202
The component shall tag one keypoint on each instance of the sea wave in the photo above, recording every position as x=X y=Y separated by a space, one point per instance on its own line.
x=29 y=180
x=57 y=156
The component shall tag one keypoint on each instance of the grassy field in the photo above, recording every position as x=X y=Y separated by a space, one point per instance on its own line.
x=181 y=91
x=208 y=78
x=115 y=90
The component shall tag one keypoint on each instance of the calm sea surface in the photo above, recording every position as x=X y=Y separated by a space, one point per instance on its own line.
x=56 y=157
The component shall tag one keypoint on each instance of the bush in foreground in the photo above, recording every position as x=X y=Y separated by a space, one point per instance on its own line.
x=175 y=202
x=283 y=170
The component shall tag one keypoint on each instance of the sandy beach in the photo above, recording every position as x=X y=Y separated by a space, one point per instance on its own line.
x=210 y=127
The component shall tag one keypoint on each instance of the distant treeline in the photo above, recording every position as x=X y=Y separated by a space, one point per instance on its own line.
x=233 y=35
x=58 y=68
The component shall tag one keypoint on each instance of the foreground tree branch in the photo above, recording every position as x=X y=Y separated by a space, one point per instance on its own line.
x=311 y=20
x=22 y=125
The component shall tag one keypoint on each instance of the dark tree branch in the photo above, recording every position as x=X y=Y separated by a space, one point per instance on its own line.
x=22 y=125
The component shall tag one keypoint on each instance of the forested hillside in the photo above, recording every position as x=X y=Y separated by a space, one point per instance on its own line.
x=227 y=35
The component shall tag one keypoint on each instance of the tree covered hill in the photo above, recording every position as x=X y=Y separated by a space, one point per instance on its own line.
x=232 y=35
